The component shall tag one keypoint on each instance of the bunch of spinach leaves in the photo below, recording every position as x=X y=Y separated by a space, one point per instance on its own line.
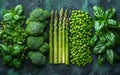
x=105 y=37
x=13 y=36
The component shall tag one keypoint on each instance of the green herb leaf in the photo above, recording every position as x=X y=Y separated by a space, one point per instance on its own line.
x=101 y=59
x=93 y=40
x=98 y=12
x=110 y=13
x=111 y=22
x=99 y=48
x=117 y=56
x=99 y=25
x=111 y=38
x=110 y=56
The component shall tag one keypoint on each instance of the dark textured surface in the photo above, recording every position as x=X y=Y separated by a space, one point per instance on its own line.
x=86 y=5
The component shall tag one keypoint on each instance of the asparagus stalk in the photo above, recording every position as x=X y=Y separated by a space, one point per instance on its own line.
x=63 y=37
x=60 y=43
x=55 y=38
x=50 y=38
x=67 y=49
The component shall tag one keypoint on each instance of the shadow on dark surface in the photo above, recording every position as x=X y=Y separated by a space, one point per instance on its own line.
x=86 y=5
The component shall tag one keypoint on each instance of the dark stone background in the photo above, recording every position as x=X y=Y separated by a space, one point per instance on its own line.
x=86 y=5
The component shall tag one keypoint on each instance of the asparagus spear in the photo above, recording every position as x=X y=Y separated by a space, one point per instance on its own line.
x=60 y=24
x=55 y=38
x=67 y=51
x=50 y=38
x=63 y=37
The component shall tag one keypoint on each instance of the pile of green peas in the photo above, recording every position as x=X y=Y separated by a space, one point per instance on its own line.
x=80 y=35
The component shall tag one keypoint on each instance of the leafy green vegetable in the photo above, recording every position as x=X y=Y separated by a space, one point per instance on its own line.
x=110 y=13
x=37 y=58
x=99 y=25
x=93 y=40
x=110 y=55
x=99 y=48
x=35 y=42
x=37 y=36
x=101 y=59
x=7 y=59
x=44 y=48
x=16 y=63
x=107 y=37
x=98 y=12
x=13 y=36
x=35 y=28
x=4 y=49
x=39 y=15
x=18 y=10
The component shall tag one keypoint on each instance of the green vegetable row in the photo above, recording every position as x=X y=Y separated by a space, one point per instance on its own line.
x=58 y=38
x=66 y=45
x=13 y=37
x=105 y=38
x=37 y=39
x=80 y=35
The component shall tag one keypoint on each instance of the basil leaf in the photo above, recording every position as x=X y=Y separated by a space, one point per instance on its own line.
x=111 y=38
x=98 y=12
x=101 y=59
x=110 y=56
x=93 y=40
x=99 y=25
x=102 y=39
x=117 y=56
x=113 y=24
x=99 y=48
x=110 y=13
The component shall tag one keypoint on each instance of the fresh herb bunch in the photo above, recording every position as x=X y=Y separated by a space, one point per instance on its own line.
x=13 y=37
x=80 y=35
x=105 y=37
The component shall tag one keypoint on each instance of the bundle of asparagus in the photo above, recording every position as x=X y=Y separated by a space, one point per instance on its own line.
x=58 y=38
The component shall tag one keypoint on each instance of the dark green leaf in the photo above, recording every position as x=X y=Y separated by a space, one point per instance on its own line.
x=117 y=56
x=93 y=40
x=101 y=59
x=17 y=63
x=98 y=12
x=7 y=59
x=111 y=38
x=110 y=13
x=102 y=39
x=99 y=48
x=99 y=25
x=5 y=49
x=110 y=56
